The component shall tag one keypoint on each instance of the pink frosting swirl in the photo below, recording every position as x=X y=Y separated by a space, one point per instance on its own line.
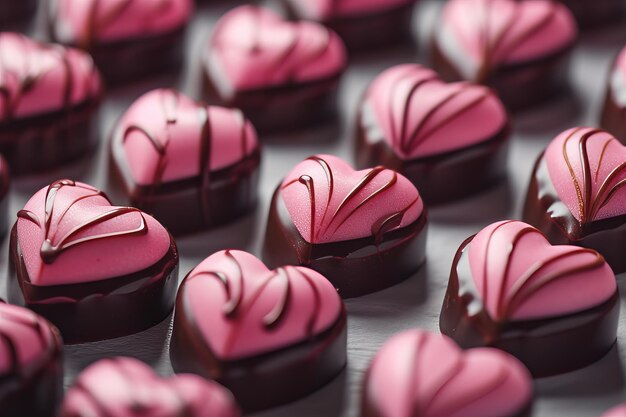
x=519 y=275
x=253 y=48
x=329 y=9
x=242 y=309
x=588 y=170
x=38 y=78
x=70 y=233
x=329 y=201
x=417 y=373
x=89 y=22
x=619 y=411
x=28 y=341
x=168 y=136
x=481 y=35
x=125 y=387
x=419 y=115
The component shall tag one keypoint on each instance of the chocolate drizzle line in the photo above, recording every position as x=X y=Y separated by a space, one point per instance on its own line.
x=8 y=341
x=524 y=288
x=243 y=305
x=32 y=73
x=379 y=227
x=493 y=43
x=170 y=101
x=50 y=251
x=589 y=205
x=419 y=409
x=412 y=140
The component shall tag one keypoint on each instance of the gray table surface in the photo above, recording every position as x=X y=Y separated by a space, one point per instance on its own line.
x=412 y=304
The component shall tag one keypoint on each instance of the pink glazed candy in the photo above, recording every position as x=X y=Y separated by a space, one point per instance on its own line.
x=31 y=373
x=172 y=153
x=125 y=387
x=129 y=39
x=233 y=312
x=511 y=45
x=363 y=230
x=281 y=74
x=50 y=95
x=74 y=255
x=421 y=374
x=449 y=140
x=510 y=288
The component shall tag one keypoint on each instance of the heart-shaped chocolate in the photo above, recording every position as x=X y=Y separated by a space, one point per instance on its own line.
x=31 y=382
x=587 y=168
x=418 y=115
x=329 y=201
x=421 y=374
x=479 y=36
x=165 y=136
x=510 y=288
x=69 y=233
x=125 y=387
x=38 y=78
x=89 y=22
x=269 y=336
x=254 y=48
x=243 y=309
x=520 y=276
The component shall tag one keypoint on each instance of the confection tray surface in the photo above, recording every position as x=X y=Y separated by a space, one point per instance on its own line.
x=415 y=303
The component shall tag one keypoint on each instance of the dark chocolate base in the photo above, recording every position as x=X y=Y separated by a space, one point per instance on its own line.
x=230 y=194
x=613 y=117
x=598 y=14
x=266 y=380
x=37 y=390
x=99 y=310
x=291 y=107
x=442 y=178
x=547 y=347
x=545 y=210
x=355 y=267
x=370 y=31
x=16 y=13
x=129 y=60
x=44 y=142
x=519 y=86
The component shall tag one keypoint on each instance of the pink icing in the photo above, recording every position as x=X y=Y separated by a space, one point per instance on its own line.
x=28 y=334
x=347 y=204
x=35 y=77
x=328 y=9
x=558 y=280
x=85 y=22
x=125 y=387
x=255 y=48
x=417 y=373
x=518 y=31
x=298 y=302
x=606 y=159
x=178 y=124
x=619 y=411
x=92 y=260
x=422 y=116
